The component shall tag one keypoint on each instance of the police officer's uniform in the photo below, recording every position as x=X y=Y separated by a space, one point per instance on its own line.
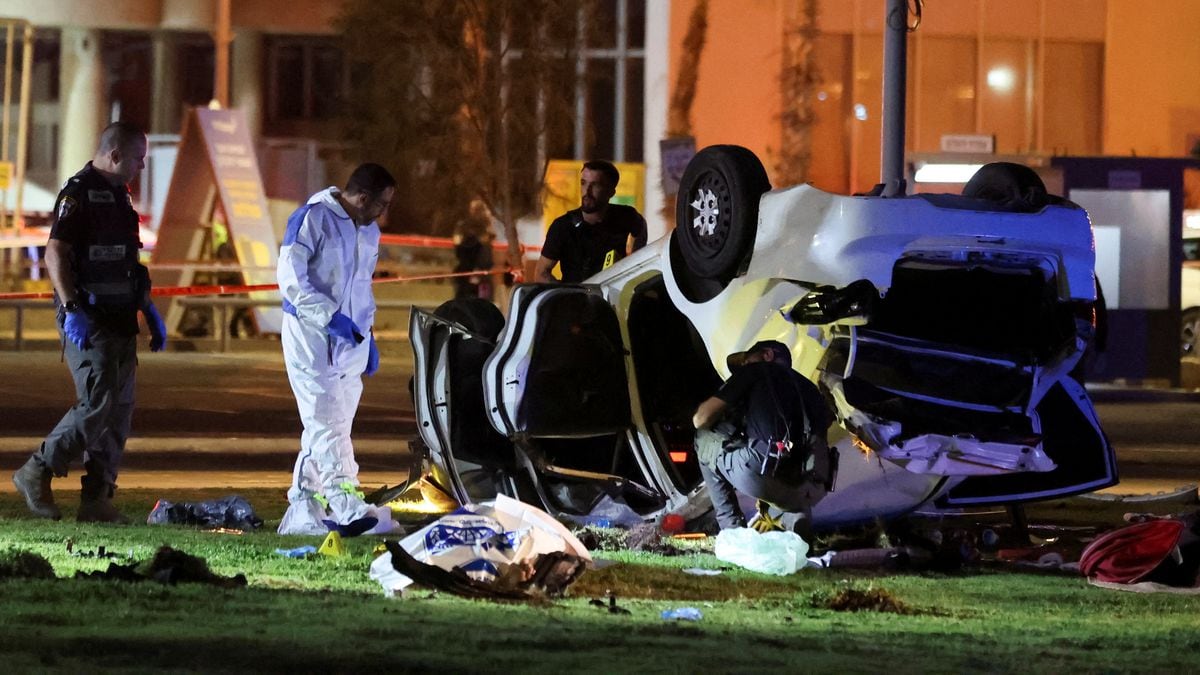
x=779 y=454
x=98 y=220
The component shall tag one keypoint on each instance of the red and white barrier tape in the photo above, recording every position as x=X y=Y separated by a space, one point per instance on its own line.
x=177 y=291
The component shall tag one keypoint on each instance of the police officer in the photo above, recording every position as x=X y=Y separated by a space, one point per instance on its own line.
x=591 y=238
x=99 y=287
x=770 y=440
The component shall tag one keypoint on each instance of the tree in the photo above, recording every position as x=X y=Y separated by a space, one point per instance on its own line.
x=460 y=97
x=797 y=85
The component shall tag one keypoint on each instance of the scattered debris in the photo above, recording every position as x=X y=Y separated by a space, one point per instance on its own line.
x=16 y=564
x=857 y=600
x=610 y=605
x=99 y=552
x=232 y=512
x=298 y=552
x=682 y=614
x=168 y=566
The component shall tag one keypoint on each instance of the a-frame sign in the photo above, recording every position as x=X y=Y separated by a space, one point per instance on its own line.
x=217 y=168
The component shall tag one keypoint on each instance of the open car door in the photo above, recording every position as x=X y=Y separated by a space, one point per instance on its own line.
x=557 y=385
x=469 y=458
x=559 y=370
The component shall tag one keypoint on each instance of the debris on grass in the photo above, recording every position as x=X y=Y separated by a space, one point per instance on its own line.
x=229 y=513
x=18 y=564
x=682 y=614
x=647 y=537
x=872 y=599
x=610 y=604
x=168 y=566
x=298 y=552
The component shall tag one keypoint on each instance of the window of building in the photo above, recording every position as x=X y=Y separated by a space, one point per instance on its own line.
x=305 y=81
x=196 y=68
x=609 y=96
x=128 y=67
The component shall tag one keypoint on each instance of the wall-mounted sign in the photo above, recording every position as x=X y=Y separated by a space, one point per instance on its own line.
x=973 y=143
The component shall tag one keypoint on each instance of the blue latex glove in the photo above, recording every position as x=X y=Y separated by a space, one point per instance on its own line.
x=340 y=326
x=372 y=358
x=158 y=330
x=78 y=329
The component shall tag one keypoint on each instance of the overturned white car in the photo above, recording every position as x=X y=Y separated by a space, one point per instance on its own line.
x=942 y=328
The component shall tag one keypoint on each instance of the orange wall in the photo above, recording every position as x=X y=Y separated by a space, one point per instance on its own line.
x=737 y=95
x=1152 y=76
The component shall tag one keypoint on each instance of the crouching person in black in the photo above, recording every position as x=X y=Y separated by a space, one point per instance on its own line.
x=764 y=433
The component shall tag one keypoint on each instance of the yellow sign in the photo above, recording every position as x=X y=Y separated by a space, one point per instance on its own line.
x=6 y=172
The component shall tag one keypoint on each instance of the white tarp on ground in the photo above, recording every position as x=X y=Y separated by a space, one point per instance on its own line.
x=481 y=539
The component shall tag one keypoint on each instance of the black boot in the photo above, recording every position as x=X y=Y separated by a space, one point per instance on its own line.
x=95 y=503
x=33 y=482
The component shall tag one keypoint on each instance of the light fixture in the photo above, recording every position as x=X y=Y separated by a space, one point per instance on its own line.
x=1001 y=78
x=944 y=172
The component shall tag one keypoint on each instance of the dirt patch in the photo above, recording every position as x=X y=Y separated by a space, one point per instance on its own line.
x=861 y=600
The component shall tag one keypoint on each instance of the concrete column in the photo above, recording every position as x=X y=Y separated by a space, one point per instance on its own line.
x=656 y=95
x=247 y=78
x=164 y=97
x=81 y=99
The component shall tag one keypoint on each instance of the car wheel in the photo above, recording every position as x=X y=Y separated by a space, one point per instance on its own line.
x=475 y=314
x=716 y=212
x=1187 y=335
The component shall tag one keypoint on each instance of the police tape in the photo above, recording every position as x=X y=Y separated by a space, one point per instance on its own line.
x=421 y=241
x=227 y=289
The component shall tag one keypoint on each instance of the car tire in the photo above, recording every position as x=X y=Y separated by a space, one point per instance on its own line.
x=716 y=212
x=475 y=314
x=1190 y=326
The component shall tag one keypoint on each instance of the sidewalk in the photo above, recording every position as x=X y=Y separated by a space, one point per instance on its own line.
x=171 y=463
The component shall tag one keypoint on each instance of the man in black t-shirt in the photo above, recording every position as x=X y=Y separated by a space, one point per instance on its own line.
x=770 y=438
x=591 y=238
x=99 y=287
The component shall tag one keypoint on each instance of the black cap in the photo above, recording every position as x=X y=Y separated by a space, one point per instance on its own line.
x=782 y=353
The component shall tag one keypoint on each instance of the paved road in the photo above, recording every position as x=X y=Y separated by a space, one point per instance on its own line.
x=203 y=416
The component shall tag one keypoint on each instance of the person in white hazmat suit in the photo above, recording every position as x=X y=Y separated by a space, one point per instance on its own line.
x=326 y=262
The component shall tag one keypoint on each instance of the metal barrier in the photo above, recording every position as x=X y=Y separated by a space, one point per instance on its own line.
x=220 y=304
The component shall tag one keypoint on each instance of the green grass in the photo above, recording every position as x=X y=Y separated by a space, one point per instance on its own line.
x=326 y=615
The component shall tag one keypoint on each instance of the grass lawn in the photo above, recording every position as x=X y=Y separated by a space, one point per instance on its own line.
x=326 y=615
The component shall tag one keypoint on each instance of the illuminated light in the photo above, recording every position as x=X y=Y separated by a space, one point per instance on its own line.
x=821 y=96
x=1191 y=219
x=862 y=447
x=1001 y=78
x=678 y=457
x=945 y=173
x=860 y=112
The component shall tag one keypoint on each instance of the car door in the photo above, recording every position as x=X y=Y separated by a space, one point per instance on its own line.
x=470 y=459
x=559 y=368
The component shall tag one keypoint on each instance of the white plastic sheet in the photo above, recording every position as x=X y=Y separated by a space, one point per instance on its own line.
x=778 y=553
x=480 y=539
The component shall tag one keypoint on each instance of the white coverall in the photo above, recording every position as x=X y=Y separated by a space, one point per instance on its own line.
x=325 y=266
